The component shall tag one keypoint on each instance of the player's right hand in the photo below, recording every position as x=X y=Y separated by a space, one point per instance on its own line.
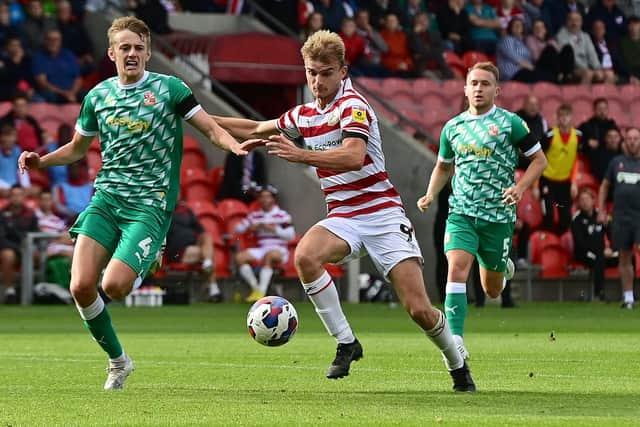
x=28 y=160
x=424 y=202
x=251 y=144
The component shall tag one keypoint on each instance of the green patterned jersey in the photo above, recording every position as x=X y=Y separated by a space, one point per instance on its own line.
x=140 y=131
x=484 y=149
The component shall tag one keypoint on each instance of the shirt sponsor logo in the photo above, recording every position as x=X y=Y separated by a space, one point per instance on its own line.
x=474 y=149
x=628 y=177
x=327 y=145
x=149 y=98
x=131 y=125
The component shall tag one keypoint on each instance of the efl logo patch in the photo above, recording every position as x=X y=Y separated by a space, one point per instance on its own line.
x=493 y=130
x=359 y=116
x=149 y=98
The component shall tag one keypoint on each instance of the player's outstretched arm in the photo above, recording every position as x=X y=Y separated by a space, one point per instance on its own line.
x=68 y=153
x=512 y=195
x=439 y=178
x=216 y=134
x=243 y=129
x=348 y=157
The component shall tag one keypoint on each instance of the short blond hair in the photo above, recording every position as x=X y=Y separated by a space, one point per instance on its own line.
x=486 y=66
x=132 y=24
x=323 y=46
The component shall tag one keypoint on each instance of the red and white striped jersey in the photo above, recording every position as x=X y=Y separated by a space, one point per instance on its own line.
x=276 y=216
x=352 y=193
x=50 y=223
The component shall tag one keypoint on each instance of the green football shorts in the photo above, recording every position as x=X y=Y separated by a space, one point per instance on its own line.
x=489 y=242
x=133 y=234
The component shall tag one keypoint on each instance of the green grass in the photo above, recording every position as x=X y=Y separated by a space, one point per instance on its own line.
x=196 y=366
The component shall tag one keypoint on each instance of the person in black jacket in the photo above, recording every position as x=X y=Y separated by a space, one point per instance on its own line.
x=588 y=241
x=242 y=175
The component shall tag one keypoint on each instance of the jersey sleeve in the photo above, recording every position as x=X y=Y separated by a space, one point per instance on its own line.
x=522 y=137
x=184 y=101
x=445 y=152
x=87 y=123
x=355 y=119
x=287 y=124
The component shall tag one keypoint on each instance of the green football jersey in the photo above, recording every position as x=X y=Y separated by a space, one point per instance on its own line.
x=484 y=150
x=140 y=131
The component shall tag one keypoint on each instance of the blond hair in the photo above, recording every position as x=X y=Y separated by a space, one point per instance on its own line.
x=486 y=66
x=132 y=24
x=323 y=46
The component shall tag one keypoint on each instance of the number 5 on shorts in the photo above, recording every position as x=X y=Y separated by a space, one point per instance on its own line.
x=505 y=249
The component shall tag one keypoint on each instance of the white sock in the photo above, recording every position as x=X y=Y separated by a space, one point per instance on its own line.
x=207 y=263
x=246 y=272
x=323 y=294
x=93 y=310
x=265 y=277
x=118 y=360
x=441 y=336
x=136 y=283
x=10 y=291
x=628 y=296
x=504 y=283
x=213 y=288
x=456 y=288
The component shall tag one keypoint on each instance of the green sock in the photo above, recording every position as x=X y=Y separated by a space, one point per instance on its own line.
x=98 y=322
x=455 y=307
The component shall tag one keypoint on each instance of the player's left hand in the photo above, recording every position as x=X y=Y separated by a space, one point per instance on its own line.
x=238 y=149
x=511 y=195
x=280 y=146
x=252 y=144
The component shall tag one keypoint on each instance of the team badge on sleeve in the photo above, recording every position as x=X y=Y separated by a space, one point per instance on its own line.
x=358 y=115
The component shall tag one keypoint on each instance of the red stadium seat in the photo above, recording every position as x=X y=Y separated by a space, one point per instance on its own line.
x=189 y=143
x=455 y=63
x=335 y=271
x=433 y=101
x=50 y=125
x=403 y=100
x=188 y=175
x=472 y=57
x=629 y=93
x=582 y=110
x=585 y=179
x=213 y=227
x=392 y=85
x=424 y=86
x=232 y=212
x=546 y=250
x=513 y=94
x=194 y=160
x=195 y=185
x=95 y=145
x=540 y=241
x=370 y=84
x=529 y=210
x=223 y=262
x=382 y=111
x=204 y=208
x=216 y=175
x=571 y=93
x=605 y=91
x=546 y=90
x=549 y=109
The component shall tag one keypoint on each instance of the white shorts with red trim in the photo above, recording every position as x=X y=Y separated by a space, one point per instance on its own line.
x=259 y=253
x=387 y=236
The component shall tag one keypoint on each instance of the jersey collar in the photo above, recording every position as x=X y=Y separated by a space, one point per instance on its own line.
x=145 y=76
x=480 y=116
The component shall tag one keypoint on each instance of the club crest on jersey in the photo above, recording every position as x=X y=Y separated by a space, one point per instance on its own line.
x=358 y=115
x=149 y=98
x=493 y=130
x=334 y=118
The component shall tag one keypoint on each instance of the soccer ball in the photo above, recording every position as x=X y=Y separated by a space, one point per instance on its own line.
x=272 y=321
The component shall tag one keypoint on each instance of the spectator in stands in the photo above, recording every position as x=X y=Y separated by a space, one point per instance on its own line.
x=608 y=53
x=409 y=12
x=588 y=241
x=17 y=221
x=559 y=11
x=242 y=174
x=15 y=70
x=427 y=49
x=587 y=65
x=272 y=228
x=37 y=26
x=153 y=13
x=59 y=174
x=30 y=136
x=333 y=12
x=9 y=154
x=557 y=188
x=75 y=37
x=485 y=26
x=611 y=15
x=378 y=9
x=49 y=222
x=547 y=54
x=305 y=10
x=454 y=24
x=623 y=176
x=514 y=59
x=354 y=44
x=536 y=10
x=189 y=243
x=73 y=196
x=530 y=113
x=507 y=11
x=630 y=50
x=398 y=58
x=315 y=23
x=16 y=12
x=57 y=72
x=7 y=28
x=376 y=46
x=595 y=129
x=600 y=159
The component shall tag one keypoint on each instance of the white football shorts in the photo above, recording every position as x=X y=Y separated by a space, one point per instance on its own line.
x=259 y=253
x=387 y=236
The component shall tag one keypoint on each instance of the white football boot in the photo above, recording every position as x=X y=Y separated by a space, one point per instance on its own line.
x=118 y=373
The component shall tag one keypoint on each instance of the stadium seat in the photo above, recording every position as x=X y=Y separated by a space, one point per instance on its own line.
x=546 y=90
x=513 y=93
x=454 y=91
x=546 y=250
x=214 y=228
x=204 y=208
x=605 y=91
x=583 y=164
x=585 y=179
x=195 y=185
x=335 y=271
x=223 y=262
x=432 y=101
x=382 y=111
x=50 y=125
x=194 y=160
x=190 y=143
x=472 y=57
x=232 y=211
x=582 y=111
x=216 y=175
x=570 y=93
x=403 y=101
x=392 y=86
x=455 y=63
x=424 y=86
x=370 y=84
x=529 y=210
x=629 y=93
x=539 y=241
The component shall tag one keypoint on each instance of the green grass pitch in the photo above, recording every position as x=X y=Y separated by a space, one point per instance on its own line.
x=197 y=366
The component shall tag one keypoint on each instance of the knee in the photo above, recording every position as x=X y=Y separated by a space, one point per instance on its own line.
x=423 y=314
x=306 y=262
x=82 y=288
x=116 y=289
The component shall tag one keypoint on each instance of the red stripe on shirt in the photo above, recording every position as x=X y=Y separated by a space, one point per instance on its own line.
x=363 y=198
x=309 y=132
x=364 y=211
x=359 y=184
x=325 y=173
